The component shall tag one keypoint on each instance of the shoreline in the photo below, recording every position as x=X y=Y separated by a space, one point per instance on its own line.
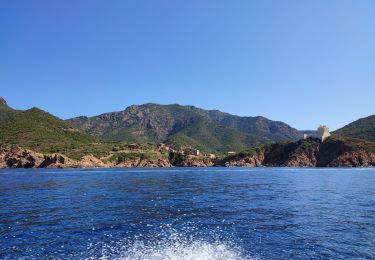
x=189 y=167
x=308 y=153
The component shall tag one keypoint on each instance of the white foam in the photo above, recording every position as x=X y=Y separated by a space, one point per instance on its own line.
x=173 y=248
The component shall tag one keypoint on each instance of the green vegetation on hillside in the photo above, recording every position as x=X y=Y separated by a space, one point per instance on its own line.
x=177 y=125
x=121 y=157
x=40 y=131
x=363 y=128
x=210 y=137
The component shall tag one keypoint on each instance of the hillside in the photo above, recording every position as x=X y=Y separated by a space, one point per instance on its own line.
x=42 y=132
x=363 y=128
x=208 y=136
x=209 y=130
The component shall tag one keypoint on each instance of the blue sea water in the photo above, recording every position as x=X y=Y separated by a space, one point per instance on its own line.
x=187 y=213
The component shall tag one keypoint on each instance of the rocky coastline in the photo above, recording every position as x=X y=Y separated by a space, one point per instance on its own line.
x=16 y=157
x=303 y=153
x=307 y=153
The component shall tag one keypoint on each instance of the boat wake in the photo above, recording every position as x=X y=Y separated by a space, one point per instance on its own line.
x=171 y=248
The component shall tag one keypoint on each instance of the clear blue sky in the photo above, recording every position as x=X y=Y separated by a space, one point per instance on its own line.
x=301 y=62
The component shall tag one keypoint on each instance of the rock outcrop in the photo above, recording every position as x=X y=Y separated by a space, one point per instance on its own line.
x=89 y=161
x=147 y=163
x=354 y=159
x=181 y=160
x=14 y=157
x=196 y=163
x=58 y=161
x=255 y=160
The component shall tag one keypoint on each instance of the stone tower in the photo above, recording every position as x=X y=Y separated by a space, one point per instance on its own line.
x=323 y=132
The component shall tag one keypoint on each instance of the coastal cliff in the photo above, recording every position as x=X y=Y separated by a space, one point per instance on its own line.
x=307 y=153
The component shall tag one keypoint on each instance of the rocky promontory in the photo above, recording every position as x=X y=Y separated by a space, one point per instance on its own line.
x=307 y=153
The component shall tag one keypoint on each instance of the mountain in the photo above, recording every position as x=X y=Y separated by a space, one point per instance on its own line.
x=178 y=125
x=38 y=130
x=363 y=128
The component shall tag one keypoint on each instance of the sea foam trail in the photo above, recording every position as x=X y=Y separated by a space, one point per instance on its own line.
x=169 y=249
x=194 y=251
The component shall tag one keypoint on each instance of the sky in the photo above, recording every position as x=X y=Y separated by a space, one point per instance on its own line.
x=301 y=62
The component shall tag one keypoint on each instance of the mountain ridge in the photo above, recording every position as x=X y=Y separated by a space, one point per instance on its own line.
x=152 y=122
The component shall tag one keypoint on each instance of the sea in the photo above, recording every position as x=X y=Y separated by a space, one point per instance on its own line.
x=187 y=213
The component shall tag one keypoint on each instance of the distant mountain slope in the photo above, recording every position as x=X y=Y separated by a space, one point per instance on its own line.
x=38 y=130
x=257 y=126
x=363 y=128
x=184 y=125
x=208 y=136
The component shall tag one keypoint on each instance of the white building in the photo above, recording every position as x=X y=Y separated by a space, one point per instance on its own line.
x=323 y=132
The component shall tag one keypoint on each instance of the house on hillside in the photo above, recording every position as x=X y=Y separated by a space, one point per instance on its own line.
x=189 y=151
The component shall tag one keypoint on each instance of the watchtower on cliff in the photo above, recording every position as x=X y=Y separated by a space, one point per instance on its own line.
x=323 y=132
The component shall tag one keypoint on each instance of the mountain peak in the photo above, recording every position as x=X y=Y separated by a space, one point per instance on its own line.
x=3 y=102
